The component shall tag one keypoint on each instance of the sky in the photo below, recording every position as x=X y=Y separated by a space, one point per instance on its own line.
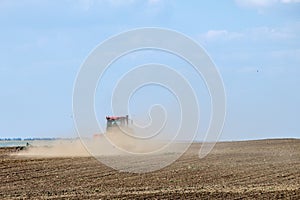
x=255 y=45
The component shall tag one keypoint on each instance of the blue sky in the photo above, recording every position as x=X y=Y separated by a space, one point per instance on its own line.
x=43 y=44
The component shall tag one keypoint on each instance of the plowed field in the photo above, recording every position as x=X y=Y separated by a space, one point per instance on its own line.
x=265 y=169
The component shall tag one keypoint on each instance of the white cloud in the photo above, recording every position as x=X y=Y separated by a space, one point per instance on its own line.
x=292 y=55
x=262 y=3
x=216 y=34
x=213 y=35
x=260 y=33
x=151 y=2
x=263 y=33
x=290 y=1
x=119 y=2
x=255 y=3
x=87 y=4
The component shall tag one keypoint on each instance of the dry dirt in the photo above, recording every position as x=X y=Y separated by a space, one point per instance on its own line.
x=265 y=169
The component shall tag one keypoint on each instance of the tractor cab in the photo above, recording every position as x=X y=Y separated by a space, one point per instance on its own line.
x=114 y=121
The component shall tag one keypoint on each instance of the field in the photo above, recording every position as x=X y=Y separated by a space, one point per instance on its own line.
x=260 y=169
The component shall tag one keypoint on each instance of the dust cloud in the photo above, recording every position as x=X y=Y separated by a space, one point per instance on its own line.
x=115 y=149
x=57 y=148
x=113 y=143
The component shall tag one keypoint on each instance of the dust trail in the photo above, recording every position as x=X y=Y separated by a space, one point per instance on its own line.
x=71 y=148
x=57 y=148
x=110 y=144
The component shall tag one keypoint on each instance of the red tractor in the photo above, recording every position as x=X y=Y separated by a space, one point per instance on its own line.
x=114 y=123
